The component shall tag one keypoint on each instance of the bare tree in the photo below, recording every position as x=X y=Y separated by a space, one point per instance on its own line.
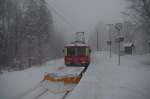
x=7 y=18
x=140 y=13
x=26 y=34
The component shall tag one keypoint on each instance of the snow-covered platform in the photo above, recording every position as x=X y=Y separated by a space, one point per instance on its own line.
x=105 y=79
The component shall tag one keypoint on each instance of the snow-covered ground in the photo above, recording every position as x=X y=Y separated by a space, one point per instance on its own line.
x=16 y=84
x=104 y=79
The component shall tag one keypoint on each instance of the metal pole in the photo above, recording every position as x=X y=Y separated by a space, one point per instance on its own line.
x=110 y=51
x=97 y=41
x=149 y=48
x=119 y=49
x=110 y=42
x=119 y=53
x=109 y=26
x=119 y=39
x=29 y=53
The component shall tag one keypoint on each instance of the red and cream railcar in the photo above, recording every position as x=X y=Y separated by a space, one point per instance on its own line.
x=77 y=54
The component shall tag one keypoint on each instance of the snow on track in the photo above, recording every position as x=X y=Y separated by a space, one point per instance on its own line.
x=39 y=92
x=28 y=91
x=35 y=94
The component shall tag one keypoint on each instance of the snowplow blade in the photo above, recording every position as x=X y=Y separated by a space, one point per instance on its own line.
x=65 y=80
x=62 y=80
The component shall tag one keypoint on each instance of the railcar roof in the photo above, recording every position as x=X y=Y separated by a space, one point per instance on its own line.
x=76 y=44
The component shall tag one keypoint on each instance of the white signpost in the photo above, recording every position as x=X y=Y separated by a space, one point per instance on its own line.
x=119 y=39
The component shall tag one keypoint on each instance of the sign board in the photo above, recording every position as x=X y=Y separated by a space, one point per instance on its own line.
x=119 y=39
x=109 y=42
x=118 y=26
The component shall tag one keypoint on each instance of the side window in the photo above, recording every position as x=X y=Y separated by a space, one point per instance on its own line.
x=65 y=51
x=88 y=51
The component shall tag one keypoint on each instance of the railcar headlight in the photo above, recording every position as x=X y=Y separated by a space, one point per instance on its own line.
x=83 y=62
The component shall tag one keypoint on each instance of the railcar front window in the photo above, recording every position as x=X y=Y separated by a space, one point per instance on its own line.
x=70 y=51
x=76 y=51
x=81 y=51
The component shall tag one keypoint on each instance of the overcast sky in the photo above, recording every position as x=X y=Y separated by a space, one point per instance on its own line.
x=85 y=14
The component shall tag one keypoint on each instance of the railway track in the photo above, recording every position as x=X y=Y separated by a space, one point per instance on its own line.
x=28 y=91
x=38 y=91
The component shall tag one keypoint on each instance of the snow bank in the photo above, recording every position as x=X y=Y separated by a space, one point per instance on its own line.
x=15 y=84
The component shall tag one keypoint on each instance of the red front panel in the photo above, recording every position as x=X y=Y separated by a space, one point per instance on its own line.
x=76 y=60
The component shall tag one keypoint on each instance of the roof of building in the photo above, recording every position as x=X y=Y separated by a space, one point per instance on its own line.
x=128 y=44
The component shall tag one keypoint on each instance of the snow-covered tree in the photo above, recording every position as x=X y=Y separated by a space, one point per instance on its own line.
x=35 y=32
x=27 y=34
x=7 y=30
x=139 y=11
